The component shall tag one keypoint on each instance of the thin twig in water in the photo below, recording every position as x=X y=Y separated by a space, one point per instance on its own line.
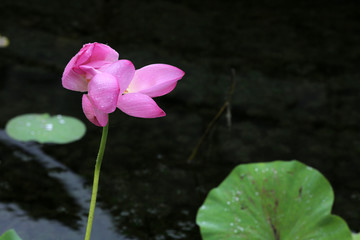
x=211 y=124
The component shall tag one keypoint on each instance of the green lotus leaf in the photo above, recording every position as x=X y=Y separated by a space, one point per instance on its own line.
x=44 y=128
x=356 y=236
x=10 y=235
x=271 y=201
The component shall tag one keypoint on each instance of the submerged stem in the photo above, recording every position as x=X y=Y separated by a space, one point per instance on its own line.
x=96 y=180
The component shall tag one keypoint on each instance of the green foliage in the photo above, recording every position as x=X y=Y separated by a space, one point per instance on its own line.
x=356 y=236
x=10 y=235
x=273 y=201
x=45 y=129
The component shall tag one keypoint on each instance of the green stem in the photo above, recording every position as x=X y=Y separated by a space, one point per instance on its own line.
x=96 y=181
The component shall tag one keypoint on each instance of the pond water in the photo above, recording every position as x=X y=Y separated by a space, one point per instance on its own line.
x=296 y=97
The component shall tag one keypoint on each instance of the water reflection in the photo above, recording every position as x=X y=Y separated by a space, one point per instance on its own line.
x=42 y=198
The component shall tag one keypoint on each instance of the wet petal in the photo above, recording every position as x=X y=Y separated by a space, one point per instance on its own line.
x=124 y=72
x=88 y=71
x=155 y=80
x=95 y=116
x=84 y=54
x=95 y=52
x=92 y=55
x=102 y=52
x=139 y=105
x=72 y=80
x=95 y=64
x=104 y=92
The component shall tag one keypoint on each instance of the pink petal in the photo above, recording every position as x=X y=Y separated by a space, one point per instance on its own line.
x=155 y=80
x=94 y=52
x=94 y=55
x=84 y=54
x=72 y=80
x=95 y=116
x=88 y=71
x=104 y=91
x=95 y=64
x=139 y=105
x=102 y=52
x=123 y=70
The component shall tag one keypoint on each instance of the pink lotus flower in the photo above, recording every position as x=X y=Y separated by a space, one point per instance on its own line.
x=112 y=83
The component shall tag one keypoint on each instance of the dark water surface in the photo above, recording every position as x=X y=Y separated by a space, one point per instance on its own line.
x=297 y=97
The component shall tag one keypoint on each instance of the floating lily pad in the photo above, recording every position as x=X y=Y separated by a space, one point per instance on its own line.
x=273 y=201
x=356 y=236
x=44 y=128
x=10 y=235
